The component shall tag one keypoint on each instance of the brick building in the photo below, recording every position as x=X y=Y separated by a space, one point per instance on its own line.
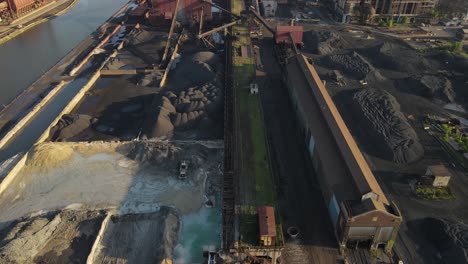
x=344 y=9
x=359 y=211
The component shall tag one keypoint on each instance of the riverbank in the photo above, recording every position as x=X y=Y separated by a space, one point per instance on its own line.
x=41 y=15
x=12 y=117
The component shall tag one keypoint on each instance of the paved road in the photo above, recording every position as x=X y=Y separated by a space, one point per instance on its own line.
x=299 y=197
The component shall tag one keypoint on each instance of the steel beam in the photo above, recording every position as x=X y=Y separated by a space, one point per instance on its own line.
x=217 y=29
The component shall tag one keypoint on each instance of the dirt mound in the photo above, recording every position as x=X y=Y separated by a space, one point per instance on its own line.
x=388 y=123
x=46 y=156
x=65 y=237
x=355 y=65
x=139 y=238
x=69 y=126
x=448 y=240
x=324 y=42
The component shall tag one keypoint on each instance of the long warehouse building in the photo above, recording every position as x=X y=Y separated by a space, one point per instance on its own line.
x=359 y=210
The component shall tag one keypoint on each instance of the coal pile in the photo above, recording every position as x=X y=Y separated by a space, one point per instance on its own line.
x=399 y=58
x=439 y=87
x=187 y=110
x=353 y=64
x=70 y=125
x=433 y=87
x=324 y=42
x=448 y=240
x=197 y=69
x=193 y=104
x=388 y=124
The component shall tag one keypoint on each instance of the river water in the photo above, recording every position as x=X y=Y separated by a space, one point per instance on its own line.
x=25 y=58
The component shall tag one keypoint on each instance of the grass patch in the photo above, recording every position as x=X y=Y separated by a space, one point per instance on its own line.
x=257 y=161
x=434 y=193
x=255 y=158
x=249 y=228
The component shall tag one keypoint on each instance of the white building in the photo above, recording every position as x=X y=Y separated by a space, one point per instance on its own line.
x=270 y=7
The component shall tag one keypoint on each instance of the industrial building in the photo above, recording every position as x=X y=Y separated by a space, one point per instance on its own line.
x=266 y=225
x=344 y=9
x=13 y=9
x=162 y=11
x=439 y=175
x=360 y=212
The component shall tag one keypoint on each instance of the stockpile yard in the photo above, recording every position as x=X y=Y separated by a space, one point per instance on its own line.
x=68 y=193
x=385 y=90
x=190 y=106
x=133 y=173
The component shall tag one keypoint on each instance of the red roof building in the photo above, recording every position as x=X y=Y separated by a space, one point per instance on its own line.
x=267 y=225
x=282 y=34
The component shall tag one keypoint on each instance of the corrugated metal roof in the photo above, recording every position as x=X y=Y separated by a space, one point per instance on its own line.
x=439 y=170
x=357 y=165
x=282 y=34
x=266 y=221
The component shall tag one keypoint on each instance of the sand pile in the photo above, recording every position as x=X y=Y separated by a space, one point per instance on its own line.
x=47 y=156
x=355 y=65
x=69 y=126
x=388 y=123
x=324 y=42
x=65 y=237
x=139 y=238
x=154 y=152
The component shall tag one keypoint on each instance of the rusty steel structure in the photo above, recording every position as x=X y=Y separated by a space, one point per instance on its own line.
x=229 y=183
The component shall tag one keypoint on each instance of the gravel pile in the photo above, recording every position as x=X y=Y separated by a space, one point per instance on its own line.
x=388 y=123
x=353 y=64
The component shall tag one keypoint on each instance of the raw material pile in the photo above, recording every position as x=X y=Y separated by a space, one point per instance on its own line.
x=47 y=156
x=388 y=123
x=65 y=237
x=196 y=69
x=70 y=126
x=399 y=58
x=139 y=238
x=355 y=65
x=448 y=240
x=438 y=87
x=324 y=42
x=197 y=102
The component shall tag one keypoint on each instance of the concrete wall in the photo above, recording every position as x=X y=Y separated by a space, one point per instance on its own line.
x=73 y=103
x=31 y=114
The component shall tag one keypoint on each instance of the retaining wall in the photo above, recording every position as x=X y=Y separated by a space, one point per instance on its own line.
x=11 y=175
